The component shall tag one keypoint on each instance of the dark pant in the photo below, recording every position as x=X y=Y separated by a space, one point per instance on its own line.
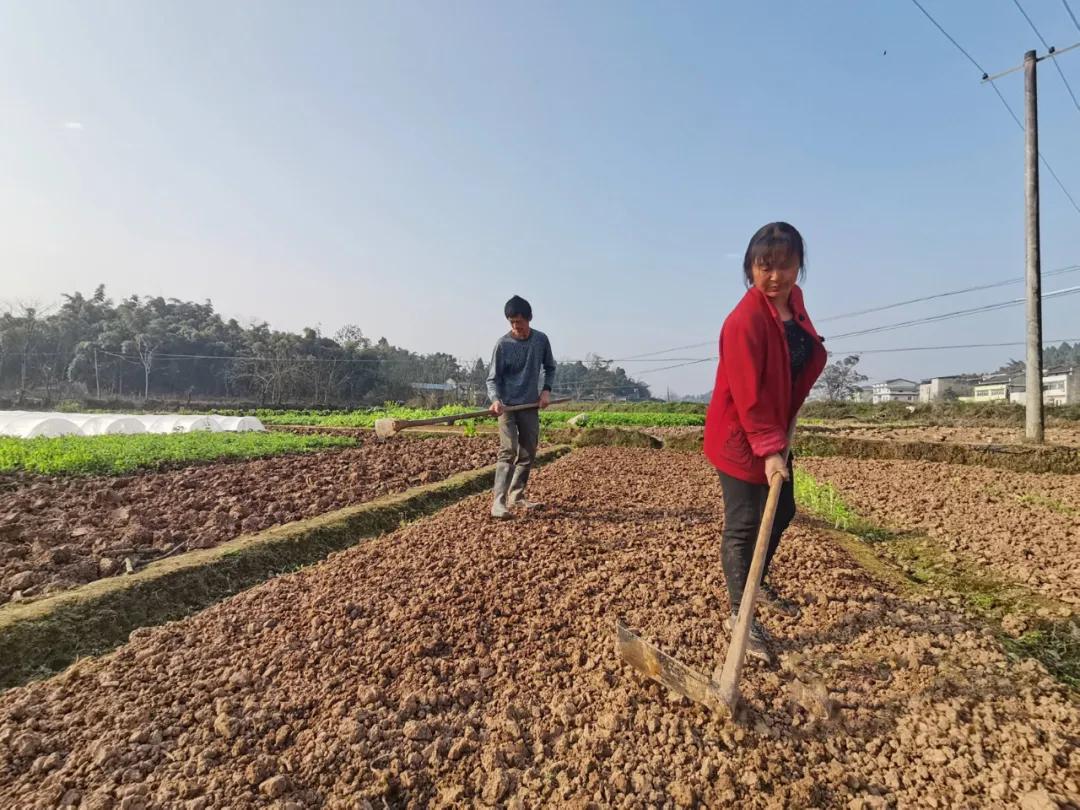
x=519 y=433
x=744 y=505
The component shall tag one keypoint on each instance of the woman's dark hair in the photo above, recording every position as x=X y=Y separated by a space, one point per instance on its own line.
x=775 y=243
x=518 y=306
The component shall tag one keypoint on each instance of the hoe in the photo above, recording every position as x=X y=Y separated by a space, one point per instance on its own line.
x=385 y=428
x=681 y=679
x=808 y=689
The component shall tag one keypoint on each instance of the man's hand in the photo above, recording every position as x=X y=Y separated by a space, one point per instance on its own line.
x=776 y=463
x=497 y=408
x=545 y=399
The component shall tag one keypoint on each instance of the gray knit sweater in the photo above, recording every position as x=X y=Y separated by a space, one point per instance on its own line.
x=514 y=374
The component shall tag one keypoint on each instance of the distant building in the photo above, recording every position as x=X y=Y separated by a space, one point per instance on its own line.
x=449 y=385
x=998 y=388
x=865 y=394
x=898 y=390
x=955 y=386
x=1061 y=386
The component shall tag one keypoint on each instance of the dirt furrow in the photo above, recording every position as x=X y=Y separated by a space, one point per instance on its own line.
x=58 y=532
x=1024 y=526
x=458 y=662
x=977 y=435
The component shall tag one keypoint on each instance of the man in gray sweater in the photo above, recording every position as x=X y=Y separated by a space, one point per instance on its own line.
x=514 y=379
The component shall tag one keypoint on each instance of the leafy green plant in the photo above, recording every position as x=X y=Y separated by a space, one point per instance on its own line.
x=551 y=418
x=116 y=455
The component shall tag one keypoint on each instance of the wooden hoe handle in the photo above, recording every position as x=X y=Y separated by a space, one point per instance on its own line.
x=733 y=663
x=447 y=420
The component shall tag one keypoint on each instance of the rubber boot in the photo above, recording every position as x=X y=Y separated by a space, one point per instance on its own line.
x=759 y=641
x=516 y=497
x=499 y=509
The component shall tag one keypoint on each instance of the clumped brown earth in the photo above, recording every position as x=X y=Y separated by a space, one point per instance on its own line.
x=1024 y=526
x=457 y=662
x=976 y=435
x=58 y=532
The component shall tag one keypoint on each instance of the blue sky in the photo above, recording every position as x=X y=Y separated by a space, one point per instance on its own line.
x=407 y=167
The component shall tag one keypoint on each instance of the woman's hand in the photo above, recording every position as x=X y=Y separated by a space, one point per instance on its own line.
x=497 y=408
x=776 y=463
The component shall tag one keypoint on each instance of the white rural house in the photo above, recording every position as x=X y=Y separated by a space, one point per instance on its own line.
x=998 y=388
x=1060 y=386
x=955 y=386
x=898 y=390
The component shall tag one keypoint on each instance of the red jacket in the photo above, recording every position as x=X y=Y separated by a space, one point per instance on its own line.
x=754 y=399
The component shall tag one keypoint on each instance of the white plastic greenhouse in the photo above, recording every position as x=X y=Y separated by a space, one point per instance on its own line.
x=176 y=423
x=239 y=424
x=30 y=427
x=28 y=424
x=112 y=424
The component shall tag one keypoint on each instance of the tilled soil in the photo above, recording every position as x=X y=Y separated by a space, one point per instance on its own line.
x=458 y=662
x=1025 y=526
x=58 y=532
x=982 y=435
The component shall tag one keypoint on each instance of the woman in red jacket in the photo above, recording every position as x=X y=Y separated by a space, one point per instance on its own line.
x=770 y=358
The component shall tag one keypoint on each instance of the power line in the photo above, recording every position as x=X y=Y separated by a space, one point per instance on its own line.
x=1008 y=107
x=902 y=349
x=897 y=350
x=948 y=36
x=663 y=351
x=1073 y=16
x=644 y=357
x=945 y=316
x=677 y=365
x=1058 y=272
x=1046 y=45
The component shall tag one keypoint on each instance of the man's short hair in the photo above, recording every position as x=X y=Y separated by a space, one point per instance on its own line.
x=518 y=306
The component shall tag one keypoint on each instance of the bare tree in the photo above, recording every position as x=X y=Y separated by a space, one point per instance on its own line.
x=840 y=380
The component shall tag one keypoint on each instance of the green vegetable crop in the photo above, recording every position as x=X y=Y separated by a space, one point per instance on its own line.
x=115 y=455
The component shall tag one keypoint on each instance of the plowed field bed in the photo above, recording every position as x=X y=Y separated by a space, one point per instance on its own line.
x=1025 y=526
x=457 y=662
x=58 y=532
x=1064 y=436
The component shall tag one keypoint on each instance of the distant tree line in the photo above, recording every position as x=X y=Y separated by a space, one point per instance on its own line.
x=1067 y=355
x=155 y=348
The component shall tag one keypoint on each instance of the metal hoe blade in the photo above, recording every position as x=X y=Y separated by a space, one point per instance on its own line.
x=667 y=671
x=385 y=428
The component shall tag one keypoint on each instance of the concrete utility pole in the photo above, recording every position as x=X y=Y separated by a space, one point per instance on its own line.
x=1033 y=397
x=1033 y=269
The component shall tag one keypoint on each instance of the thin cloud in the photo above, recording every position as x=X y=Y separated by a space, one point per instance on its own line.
x=732 y=255
x=74 y=125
